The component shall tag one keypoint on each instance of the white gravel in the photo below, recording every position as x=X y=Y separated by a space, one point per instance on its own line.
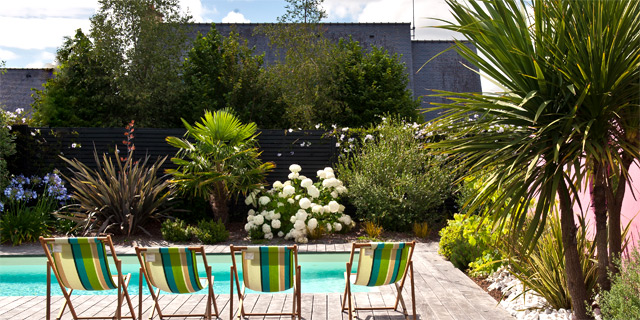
x=529 y=306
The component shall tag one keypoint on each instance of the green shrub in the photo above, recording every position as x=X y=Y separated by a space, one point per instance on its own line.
x=210 y=232
x=118 y=197
x=394 y=180
x=542 y=269
x=7 y=146
x=623 y=300
x=176 y=230
x=27 y=225
x=470 y=244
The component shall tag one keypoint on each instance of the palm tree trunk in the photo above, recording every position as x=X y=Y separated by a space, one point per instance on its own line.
x=573 y=270
x=614 y=204
x=599 y=203
x=220 y=207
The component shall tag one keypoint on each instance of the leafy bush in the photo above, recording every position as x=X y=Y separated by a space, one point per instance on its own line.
x=298 y=208
x=118 y=197
x=469 y=243
x=26 y=205
x=623 y=300
x=542 y=269
x=421 y=229
x=176 y=231
x=7 y=146
x=394 y=180
x=210 y=232
x=372 y=229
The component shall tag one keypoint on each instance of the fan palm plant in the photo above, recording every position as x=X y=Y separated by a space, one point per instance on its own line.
x=570 y=71
x=217 y=159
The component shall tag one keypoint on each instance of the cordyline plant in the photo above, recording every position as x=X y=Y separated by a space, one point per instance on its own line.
x=571 y=74
x=118 y=197
x=221 y=162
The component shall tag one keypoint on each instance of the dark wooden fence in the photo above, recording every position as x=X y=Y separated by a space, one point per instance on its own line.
x=38 y=149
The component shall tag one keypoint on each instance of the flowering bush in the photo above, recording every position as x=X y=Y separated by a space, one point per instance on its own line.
x=26 y=204
x=298 y=208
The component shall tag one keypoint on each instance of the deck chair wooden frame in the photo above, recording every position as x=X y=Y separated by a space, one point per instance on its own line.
x=296 y=307
x=54 y=247
x=347 y=300
x=155 y=294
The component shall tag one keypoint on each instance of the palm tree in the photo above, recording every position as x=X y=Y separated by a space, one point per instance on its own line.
x=222 y=161
x=570 y=70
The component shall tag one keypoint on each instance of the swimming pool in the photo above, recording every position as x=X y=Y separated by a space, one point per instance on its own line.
x=27 y=276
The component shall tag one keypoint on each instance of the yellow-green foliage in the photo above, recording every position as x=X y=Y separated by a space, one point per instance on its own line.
x=421 y=229
x=372 y=229
x=176 y=231
x=210 y=232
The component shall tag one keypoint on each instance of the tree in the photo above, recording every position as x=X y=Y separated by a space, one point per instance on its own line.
x=134 y=51
x=82 y=92
x=367 y=85
x=569 y=77
x=303 y=11
x=221 y=162
x=223 y=72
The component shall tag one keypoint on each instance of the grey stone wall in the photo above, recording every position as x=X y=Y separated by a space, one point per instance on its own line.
x=16 y=85
x=446 y=72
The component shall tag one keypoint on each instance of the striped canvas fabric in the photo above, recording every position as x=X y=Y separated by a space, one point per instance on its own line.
x=268 y=268
x=82 y=263
x=173 y=269
x=383 y=263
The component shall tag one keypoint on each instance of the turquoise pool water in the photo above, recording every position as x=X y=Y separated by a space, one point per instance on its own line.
x=27 y=276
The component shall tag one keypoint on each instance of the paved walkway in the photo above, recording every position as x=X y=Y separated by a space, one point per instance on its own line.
x=442 y=292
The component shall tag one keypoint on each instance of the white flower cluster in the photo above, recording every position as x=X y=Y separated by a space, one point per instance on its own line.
x=298 y=206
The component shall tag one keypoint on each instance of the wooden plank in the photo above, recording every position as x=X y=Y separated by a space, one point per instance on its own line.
x=334 y=305
x=319 y=311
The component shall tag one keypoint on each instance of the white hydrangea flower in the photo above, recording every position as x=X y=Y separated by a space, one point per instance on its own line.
x=258 y=220
x=288 y=190
x=248 y=226
x=312 y=224
x=248 y=200
x=277 y=185
x=341 y=189
x=330 y=182
x=275 y=216
x=341 y=209
x=293 y=219
x=313 y=191
x=328 y=226
x=268 y=236
x=301 y=177
x=280 y=234
x=264 y=200
x=250 y=218
x=299 y=225
x=334 y=194
x=337 y=226
x=334 y=206
x=302 y=240
x=322 y=174
x=293 y=175
x=264 y=213
x=252 y=212
x=329 y=175
x=266 y=228
x=305 y=203
x=301 y=215
x=276 y=224
x=290 y=200
x=288 y=235
x=306 y=183
x=316 y=208
x=328 y=169
x=345 y=219
x=280 y=204
x=297 y=197
x=295 y=168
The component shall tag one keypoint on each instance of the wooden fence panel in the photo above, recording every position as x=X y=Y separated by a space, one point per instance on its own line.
x=38 y=149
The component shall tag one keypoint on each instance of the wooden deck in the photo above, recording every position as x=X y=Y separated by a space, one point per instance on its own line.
x=442 y=292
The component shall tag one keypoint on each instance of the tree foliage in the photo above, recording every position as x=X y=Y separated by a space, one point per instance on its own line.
x=303 y=11
x=128 y=67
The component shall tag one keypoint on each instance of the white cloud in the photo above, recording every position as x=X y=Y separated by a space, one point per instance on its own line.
x=7 y=55
x=48 y=8
x=340 y=9
x=38 y=33
x=235 y=17
x=194 y=8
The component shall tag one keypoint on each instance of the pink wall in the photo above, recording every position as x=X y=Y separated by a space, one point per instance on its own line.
x=630 y=206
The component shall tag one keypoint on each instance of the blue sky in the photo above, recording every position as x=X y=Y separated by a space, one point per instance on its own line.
x=32 y=30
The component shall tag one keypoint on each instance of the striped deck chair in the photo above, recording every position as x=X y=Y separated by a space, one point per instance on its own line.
x=175 y=270
x=266 y=269
x=81 y=264
x=381 y=263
